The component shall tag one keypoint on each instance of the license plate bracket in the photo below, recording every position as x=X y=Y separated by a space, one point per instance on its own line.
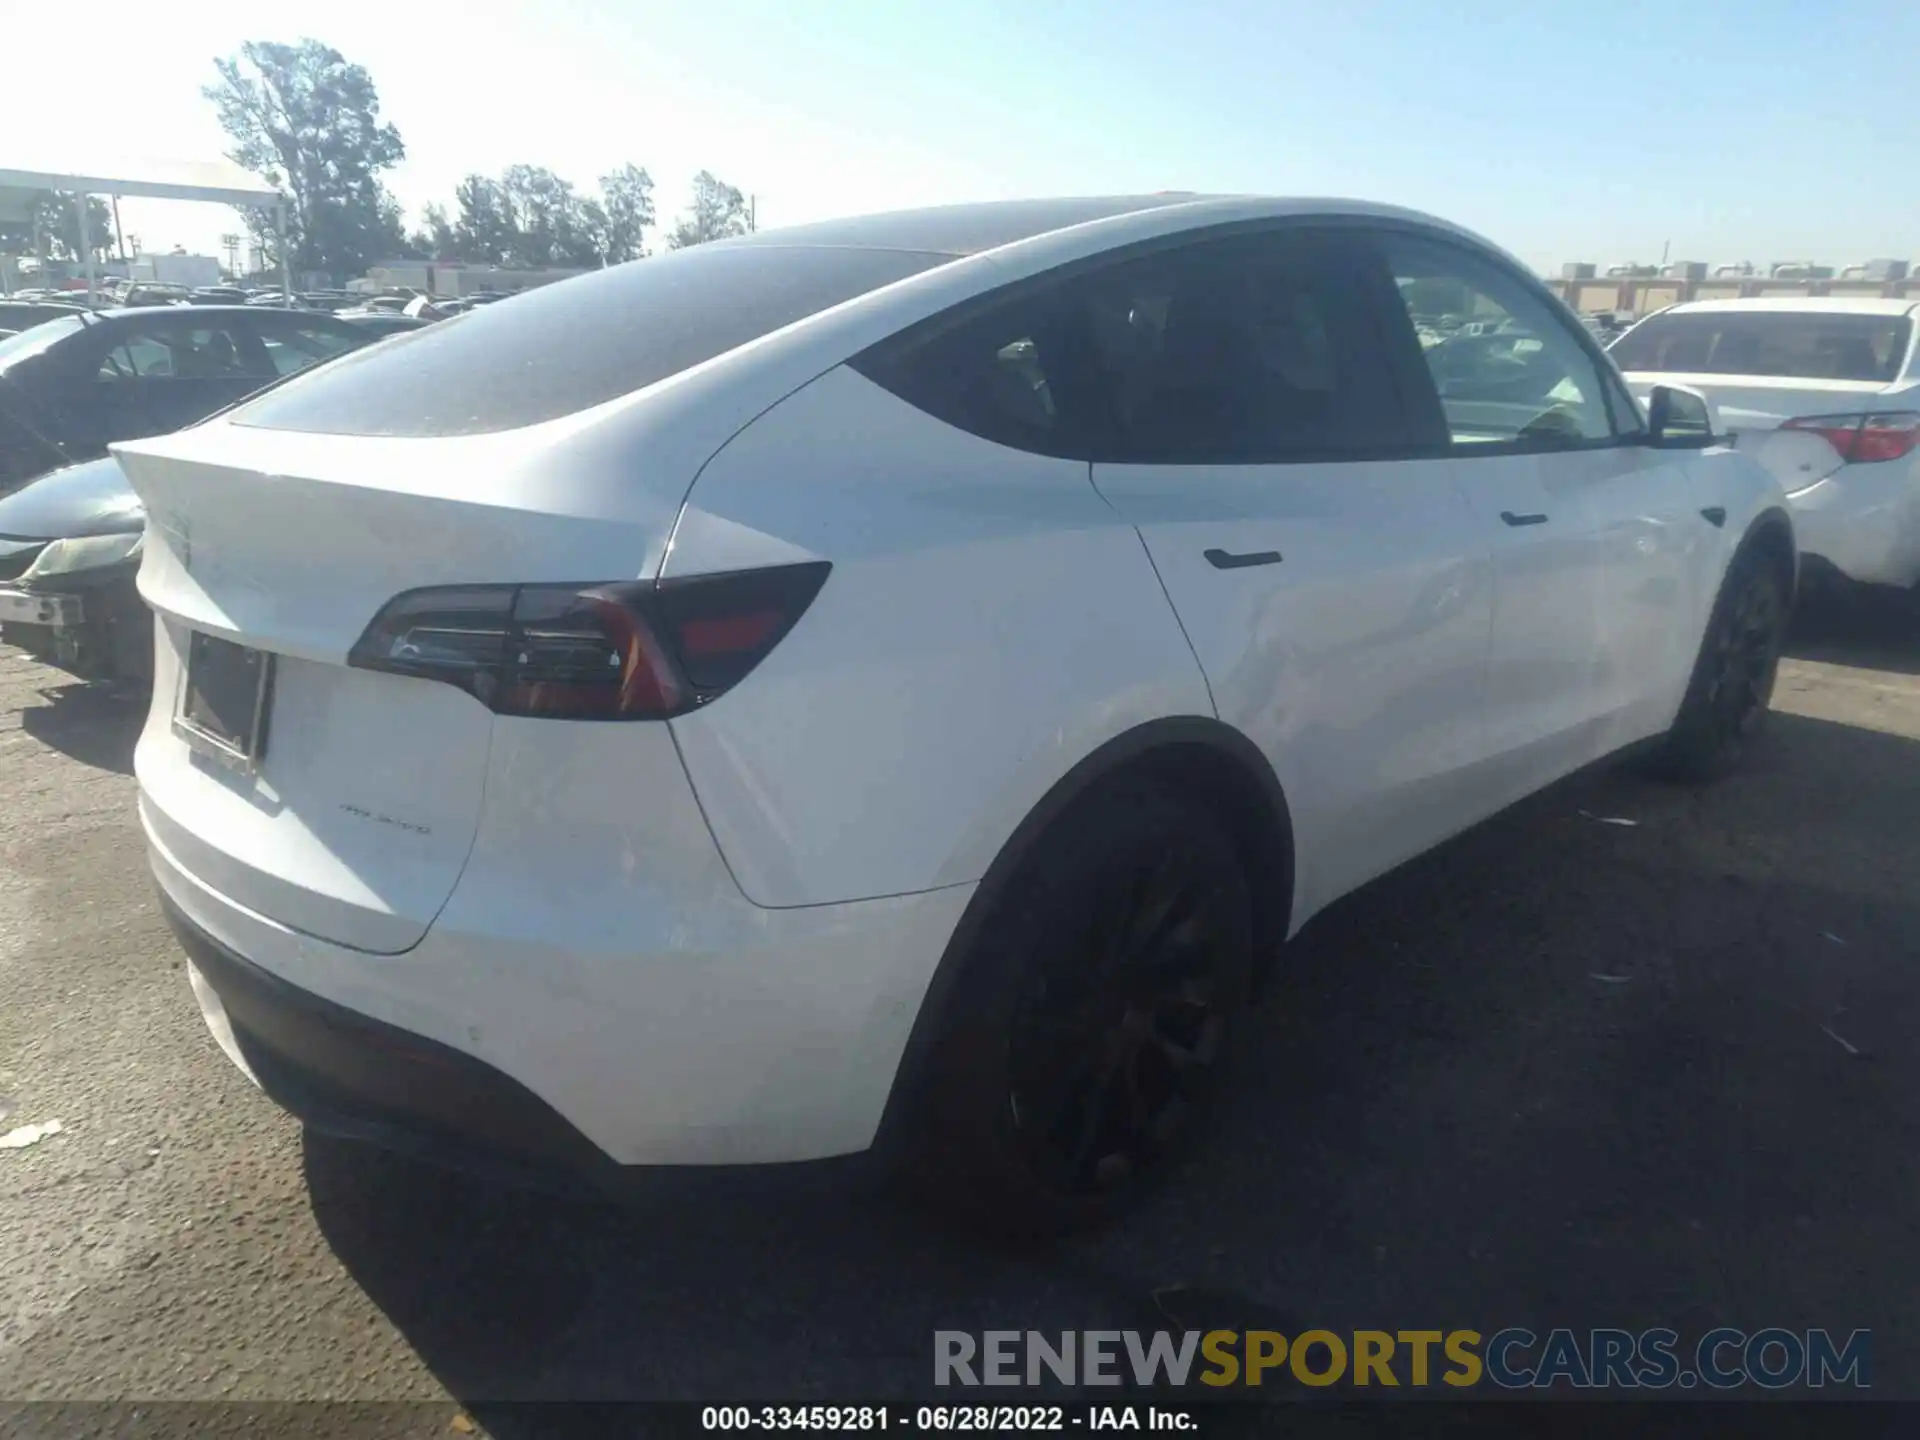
x=224 y=699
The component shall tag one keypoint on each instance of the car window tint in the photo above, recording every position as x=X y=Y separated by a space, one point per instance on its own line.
x=294 y=348
x=1507 y=368
x=185 y=352
x=1245 y=351
x=1240 y=351
x=563 y=348
x=138 y=357
x=1809 y=346
x=989 y=371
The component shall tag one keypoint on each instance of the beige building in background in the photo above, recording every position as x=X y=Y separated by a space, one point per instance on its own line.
x=1643 y=294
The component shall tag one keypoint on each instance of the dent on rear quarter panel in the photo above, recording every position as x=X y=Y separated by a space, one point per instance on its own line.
x=988 y=621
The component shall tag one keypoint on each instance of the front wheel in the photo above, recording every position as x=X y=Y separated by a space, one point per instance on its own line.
x=1727 y=700
x=1089 y=1025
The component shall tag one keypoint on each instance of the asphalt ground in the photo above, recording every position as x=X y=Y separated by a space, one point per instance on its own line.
x=1562 y=1071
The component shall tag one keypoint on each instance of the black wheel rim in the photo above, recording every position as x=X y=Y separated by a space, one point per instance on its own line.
x=1118 y=1033
x=1747 y=656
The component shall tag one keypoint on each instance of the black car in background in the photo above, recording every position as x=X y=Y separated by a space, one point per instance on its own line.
x=70 y=540
x=70 y=547
x=73 y=385
x=18 y=315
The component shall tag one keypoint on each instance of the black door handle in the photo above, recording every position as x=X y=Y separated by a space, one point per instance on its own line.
x=1715 y=515
x=1227 y=560
x=1513 y=519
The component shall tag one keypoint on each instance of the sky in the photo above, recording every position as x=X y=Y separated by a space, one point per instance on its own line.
x=1710 y=131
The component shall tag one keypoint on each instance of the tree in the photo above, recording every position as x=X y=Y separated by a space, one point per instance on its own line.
x=718 y=211
x=305 y=120
x=52 y=229
x=532 y=218
x=483 y=231
x=435 y=239
x=625 y=213
x=549 y=224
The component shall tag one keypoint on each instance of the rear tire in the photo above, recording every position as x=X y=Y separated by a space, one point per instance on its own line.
x=1726 y=705
x=1088 y=1028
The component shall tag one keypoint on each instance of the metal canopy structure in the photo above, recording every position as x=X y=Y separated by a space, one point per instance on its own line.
x=209 y=182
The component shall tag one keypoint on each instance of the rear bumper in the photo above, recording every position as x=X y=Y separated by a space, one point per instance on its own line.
x=1864 y=521
x=346 y=1074
x=752 y=1037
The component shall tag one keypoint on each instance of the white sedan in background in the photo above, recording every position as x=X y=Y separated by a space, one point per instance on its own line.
x=1825 y=392
x=892 y=685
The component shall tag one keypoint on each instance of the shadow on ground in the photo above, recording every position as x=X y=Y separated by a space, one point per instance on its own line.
x=96 y=724
x=1560 y=1072
x=1862 y=628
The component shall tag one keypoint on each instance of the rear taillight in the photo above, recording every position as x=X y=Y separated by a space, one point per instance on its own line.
x=629 y=650
x=1863 y=439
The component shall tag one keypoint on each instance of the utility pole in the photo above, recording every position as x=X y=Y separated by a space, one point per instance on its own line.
x=753 y=213
x=1665 y=246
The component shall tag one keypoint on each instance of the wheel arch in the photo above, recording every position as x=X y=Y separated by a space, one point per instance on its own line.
x=1190 y=753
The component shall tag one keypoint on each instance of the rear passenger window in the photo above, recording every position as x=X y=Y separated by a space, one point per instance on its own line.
x=175 y=351
x=1251 y=350
x=1507 y=369
x=1254 y=350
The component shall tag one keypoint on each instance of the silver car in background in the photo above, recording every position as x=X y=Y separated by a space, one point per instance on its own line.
x=1825 y=392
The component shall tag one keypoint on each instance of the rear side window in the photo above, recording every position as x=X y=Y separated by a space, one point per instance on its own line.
x=1806 y=345
x=174 y=351
x=570 y=346
x=1250 y=350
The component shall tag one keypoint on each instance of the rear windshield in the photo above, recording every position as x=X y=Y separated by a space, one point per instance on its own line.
x=1805 y=346
x=39 y=337
x=570 y=346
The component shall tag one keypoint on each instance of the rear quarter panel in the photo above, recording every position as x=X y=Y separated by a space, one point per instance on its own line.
x=989 y=621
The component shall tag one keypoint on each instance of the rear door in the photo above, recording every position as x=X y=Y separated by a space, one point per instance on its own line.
x=1335 y=591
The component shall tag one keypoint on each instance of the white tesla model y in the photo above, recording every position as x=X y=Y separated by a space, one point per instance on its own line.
x=891 y=686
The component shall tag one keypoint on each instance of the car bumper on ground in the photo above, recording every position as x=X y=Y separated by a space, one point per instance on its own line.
x=52 y=612
x=96 y=628
x=1863 y=521
x=551 y=1063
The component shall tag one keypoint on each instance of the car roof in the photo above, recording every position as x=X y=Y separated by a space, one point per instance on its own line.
x=958 y=229
x=135 y=313
x=970 y=229
x=1816 y=304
